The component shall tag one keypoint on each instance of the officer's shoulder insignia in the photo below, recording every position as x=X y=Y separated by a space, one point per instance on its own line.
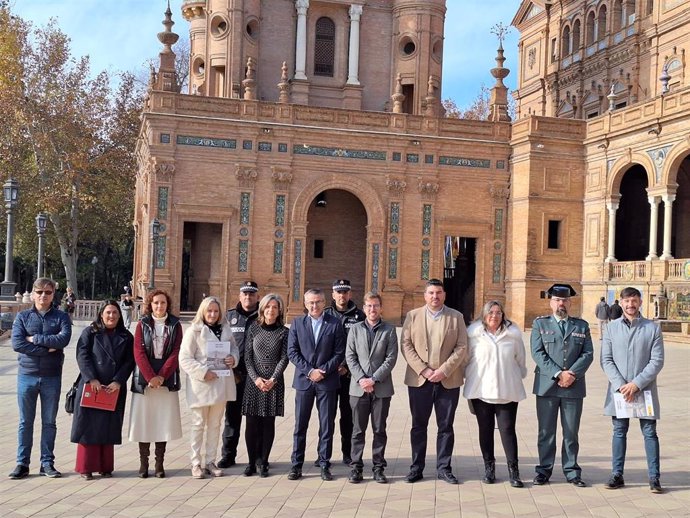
x=542 y=317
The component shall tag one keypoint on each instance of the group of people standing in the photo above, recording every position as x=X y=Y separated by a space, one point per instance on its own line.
x=343 y=358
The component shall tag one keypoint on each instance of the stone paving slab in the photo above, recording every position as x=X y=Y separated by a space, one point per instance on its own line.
x=125 y=495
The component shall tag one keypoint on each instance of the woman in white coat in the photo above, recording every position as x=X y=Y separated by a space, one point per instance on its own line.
x=210 y=384
x=493 y=385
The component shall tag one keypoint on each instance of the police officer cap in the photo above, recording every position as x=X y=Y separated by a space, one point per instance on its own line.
x=342 y=285
x=561 y=290
x=249 y=287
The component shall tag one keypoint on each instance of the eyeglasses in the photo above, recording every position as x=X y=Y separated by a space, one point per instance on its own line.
x=43 y=292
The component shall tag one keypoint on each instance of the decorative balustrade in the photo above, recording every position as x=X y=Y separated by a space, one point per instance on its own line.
x=88 y=310
x=659 y=271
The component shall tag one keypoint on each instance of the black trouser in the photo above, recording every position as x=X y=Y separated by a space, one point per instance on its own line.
x=345 y=416
x=444 y=402
x=259 y=433
x=233 y=422
x=488 y=414
x=363 y=408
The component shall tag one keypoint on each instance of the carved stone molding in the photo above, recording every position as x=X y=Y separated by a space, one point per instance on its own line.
x=499 y=193
x=396 y=186
x=428 y=190
x=246 y=176
x=164 y=171
x=282 y=178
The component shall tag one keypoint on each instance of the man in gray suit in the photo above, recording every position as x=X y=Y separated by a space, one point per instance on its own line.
x=562 y=350
x=371 y=353
x=632 y=356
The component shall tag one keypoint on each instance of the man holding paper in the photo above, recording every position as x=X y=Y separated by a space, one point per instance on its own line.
x=632 y=355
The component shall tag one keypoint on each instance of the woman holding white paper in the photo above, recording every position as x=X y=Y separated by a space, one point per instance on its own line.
x=106 y=360
x=210 y=383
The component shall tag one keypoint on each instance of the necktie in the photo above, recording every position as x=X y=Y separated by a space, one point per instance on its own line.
x=561 y=324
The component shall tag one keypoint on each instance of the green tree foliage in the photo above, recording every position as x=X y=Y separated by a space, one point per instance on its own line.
x=69 y=141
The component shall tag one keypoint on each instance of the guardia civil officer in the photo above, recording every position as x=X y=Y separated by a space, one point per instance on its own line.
x=562 y=350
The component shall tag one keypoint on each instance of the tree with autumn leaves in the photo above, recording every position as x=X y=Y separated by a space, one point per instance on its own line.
x=68 y=138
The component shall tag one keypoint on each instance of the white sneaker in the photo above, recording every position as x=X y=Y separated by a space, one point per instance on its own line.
x=197 y=472
x=212 y=469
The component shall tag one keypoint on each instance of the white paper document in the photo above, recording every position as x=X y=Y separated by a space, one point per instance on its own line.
x=641 y=406
x=216 y=352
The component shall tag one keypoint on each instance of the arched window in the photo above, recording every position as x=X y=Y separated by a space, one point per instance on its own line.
x=576 y=35
x=565 y=42
x=617 y=16
x=324 y=47
x=601 y=23
x=590 y=29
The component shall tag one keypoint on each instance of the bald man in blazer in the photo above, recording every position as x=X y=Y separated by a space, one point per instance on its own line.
x=434 y=344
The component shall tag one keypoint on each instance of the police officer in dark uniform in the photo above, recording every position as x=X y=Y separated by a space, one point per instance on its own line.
x=349 y=314
x=240 y=318
x=562 y=350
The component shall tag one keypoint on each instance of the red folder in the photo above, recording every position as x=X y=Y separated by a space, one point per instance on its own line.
x=102 y=400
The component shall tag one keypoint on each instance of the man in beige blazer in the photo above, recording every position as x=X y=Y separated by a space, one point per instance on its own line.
x=434 y=344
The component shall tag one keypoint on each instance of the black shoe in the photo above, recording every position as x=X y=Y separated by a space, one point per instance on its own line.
x=250 y=470
x=347 y=460
x=414 y=476
x=317 y=463
x=447 y=476
x=655 y=486
x=615 y=481
x=106 y=474
x=19 y=472
x=225 y=463
x=489 y=472
x=540 y=479
x=295 y=474
x=355 y=476
x=49 y=471
x=86 y=476
x=263 y=471
x=326 y=474
x=380 y=477
x=577 y=482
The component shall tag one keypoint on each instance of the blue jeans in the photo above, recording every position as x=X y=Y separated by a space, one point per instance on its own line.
x=651 y=445
x=29 y=389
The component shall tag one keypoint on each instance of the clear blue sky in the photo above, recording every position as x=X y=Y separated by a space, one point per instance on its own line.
x=121 y=35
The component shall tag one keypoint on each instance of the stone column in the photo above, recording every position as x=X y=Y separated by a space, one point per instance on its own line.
x=653 y=223
x=668 y=224
x=353 y=62
x=612 y=206
x=301 y=43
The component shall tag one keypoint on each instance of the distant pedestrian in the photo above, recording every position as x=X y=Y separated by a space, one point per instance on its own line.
x=615 y=311
x=602 y=314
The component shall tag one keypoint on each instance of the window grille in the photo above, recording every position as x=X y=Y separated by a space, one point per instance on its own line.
x=324 y=47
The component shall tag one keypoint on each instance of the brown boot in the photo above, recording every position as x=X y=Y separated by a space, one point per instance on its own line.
x=160 y=456
x=144 y=451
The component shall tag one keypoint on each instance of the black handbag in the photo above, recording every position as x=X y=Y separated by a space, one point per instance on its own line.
x=71 y=396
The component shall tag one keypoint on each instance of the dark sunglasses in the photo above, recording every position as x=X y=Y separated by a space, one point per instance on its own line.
x=43 y=292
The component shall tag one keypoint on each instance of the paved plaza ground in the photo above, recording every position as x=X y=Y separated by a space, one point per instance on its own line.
x=126 y=495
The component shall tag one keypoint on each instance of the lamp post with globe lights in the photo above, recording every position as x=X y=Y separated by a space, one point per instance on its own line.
x=10 y=191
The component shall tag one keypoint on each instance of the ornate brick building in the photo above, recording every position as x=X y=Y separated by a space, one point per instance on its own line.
x=312 y=146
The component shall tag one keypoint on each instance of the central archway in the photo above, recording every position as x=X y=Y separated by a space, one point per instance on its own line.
x=336 y=244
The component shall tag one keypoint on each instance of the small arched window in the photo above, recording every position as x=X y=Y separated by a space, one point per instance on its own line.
x=565 y=42
x=590 y=28
x=576 y=35
x=324 y=47
x=601 y=23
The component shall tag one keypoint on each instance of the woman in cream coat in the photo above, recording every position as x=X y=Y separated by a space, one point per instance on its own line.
x=493 y=385
x=206 y=391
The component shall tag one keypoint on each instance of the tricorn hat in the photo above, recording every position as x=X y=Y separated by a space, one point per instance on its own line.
x=563 y=291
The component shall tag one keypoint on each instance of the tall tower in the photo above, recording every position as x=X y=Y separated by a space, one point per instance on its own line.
x=418 y=51
x=223 y=34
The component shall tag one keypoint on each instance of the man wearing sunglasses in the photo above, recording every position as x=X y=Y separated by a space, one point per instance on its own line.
x=39 y=336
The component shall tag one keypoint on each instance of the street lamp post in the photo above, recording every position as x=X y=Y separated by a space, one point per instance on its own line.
x=10 y=192
x=155 y=231
x=94 y=260
x=41 y=224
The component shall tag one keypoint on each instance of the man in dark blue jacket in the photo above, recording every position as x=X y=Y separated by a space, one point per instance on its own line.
x=39 y=335
x=316 y=346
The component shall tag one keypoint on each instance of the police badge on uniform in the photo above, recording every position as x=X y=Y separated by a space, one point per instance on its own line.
x=233 y=321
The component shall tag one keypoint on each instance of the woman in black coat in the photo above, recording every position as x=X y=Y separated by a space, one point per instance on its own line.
x=106 y=359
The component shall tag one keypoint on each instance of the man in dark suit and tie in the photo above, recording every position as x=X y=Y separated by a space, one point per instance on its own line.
x=316 y=346
x=562 y=350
